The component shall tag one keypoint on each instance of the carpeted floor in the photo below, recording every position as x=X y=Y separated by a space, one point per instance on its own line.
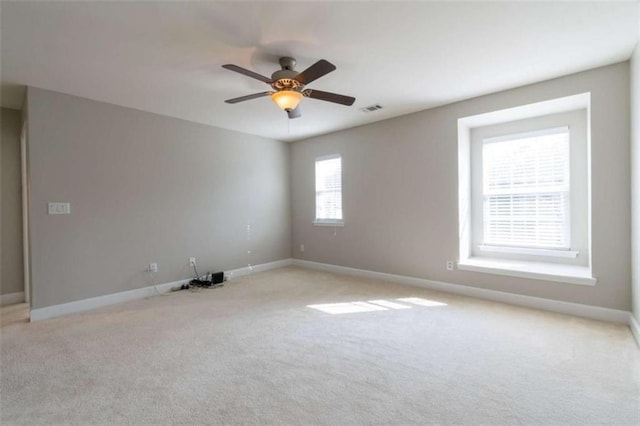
x=253 y=352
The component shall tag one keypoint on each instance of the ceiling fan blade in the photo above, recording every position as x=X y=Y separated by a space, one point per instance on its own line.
x=247 y=73
x=329 y=97
x=247 y=98
x=294 y=113
x=315 y=71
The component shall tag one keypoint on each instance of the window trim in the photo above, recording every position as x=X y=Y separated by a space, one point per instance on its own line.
x=527 y=134
x=546 y=270
x=328 y=221
x=529 y=250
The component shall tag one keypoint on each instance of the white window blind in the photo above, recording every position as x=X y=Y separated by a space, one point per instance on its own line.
x=329 y=188
x=526 y=190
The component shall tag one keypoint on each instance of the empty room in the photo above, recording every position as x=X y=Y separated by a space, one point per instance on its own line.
x=301 y=213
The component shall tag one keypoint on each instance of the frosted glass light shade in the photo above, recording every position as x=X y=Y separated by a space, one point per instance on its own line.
x=287 y=99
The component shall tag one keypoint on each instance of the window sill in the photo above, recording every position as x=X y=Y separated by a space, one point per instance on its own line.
x=529 y=251
x=320 y=222
x=580 y=275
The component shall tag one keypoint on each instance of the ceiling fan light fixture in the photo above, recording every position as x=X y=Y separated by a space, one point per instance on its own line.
x=287 y=99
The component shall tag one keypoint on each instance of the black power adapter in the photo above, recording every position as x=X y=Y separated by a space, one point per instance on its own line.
x=216 y=278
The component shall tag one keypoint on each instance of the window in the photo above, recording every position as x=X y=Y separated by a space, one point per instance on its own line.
x=523 y=184
x=329 y=190
x=526 y=190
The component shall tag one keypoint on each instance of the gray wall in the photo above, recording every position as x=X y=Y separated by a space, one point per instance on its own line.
x=11 y=267
x=400 y=192
x=146 y=188
x=635 y=173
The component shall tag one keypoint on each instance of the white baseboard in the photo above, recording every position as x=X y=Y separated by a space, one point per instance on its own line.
x=253 y=269
x=101 y=301
x=586 y=311
x=634 y=325
x=139 y=293
x=11 y=298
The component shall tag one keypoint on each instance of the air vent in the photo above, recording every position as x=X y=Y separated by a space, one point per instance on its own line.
x=371 y=108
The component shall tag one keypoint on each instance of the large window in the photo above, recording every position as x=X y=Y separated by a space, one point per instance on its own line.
x=329 y=190
x=526 y=190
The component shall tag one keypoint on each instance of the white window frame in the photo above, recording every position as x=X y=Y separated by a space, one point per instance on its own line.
x=319 y=221
x=567 y=266
x=564 y=251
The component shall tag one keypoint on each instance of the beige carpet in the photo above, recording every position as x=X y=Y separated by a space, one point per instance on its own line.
x=253 y=352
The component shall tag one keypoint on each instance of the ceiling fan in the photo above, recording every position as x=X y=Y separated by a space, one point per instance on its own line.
x=288 y=85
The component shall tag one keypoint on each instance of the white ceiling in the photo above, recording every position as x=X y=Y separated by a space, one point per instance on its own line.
x=165 y=57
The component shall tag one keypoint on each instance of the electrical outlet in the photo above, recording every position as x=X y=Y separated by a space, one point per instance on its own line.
x=449 y=265
x=59 y=208
x=301 y=247
x=153 y=267
x=192 y=261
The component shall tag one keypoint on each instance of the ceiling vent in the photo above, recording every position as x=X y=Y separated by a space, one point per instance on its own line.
x=371 y=108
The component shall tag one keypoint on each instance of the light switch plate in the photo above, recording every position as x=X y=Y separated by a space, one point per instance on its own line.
x=59 y=208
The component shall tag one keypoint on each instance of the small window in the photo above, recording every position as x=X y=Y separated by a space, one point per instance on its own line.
x=525 y=191
x=329 y=190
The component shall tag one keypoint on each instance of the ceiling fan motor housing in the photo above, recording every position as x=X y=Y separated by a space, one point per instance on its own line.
x=284 y=80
